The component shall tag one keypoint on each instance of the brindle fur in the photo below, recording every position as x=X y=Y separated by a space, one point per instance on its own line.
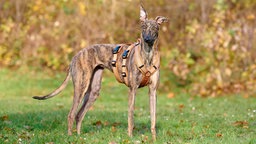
x=86 y=71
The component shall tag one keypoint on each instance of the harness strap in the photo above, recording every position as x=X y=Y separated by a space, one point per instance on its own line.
x=146 y=75
x=147 y=72
x=124 y=67
x=115 y=51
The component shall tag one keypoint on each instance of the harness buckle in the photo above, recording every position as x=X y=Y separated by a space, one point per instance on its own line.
x=116 y=49
x=123 y=74
x=148 y=74
x=113 y=63
x=125 y=54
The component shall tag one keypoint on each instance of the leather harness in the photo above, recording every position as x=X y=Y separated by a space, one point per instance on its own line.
x=146 y=71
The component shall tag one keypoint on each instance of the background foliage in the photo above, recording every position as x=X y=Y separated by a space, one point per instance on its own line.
x=208 y=47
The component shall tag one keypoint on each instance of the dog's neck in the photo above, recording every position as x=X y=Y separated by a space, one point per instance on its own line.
x=148 y=51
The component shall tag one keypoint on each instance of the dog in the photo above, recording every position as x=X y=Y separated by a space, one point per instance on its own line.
x=137 y=66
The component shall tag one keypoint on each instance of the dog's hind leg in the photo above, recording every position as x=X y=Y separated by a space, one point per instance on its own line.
x=81 y=81
x=90 y=97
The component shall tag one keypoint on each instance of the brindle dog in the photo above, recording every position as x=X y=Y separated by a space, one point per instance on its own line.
x=86 y=71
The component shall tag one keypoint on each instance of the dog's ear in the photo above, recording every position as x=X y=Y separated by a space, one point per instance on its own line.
x=161 y=19
x=143 y=14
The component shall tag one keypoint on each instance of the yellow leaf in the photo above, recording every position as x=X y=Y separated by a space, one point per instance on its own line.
x=82 y=8
x=219 y=135
x=170 y=95
x=228 y=71
x=250 y=17
x=83 y=43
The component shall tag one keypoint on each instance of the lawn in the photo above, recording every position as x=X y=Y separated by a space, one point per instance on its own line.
x=181 y=119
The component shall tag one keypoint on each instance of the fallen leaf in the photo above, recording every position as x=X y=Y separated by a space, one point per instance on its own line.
x=170 y=95
x=241 y=123
x=98 y=124
x=113 y=129
x=91 y=108
x=106 y=123
x=219 y=135
x=144 y=139
x=126 y=141
x=4 y=118
x=181 y=106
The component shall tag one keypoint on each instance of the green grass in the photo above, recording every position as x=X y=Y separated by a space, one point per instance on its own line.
x=182 y=119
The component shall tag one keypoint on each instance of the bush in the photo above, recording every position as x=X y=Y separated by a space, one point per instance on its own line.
x=219 y=56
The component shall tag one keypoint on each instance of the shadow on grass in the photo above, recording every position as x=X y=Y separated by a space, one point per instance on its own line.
x=56 y=120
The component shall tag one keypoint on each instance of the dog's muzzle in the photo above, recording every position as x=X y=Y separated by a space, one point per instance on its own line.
x=149 y=40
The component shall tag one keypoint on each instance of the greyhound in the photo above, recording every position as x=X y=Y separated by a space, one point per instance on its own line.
x=87 y=66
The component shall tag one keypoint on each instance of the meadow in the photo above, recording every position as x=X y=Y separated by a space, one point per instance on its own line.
x=208 y=71
x=181 y=118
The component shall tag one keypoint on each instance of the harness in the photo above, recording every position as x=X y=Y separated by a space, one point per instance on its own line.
x=146 y=71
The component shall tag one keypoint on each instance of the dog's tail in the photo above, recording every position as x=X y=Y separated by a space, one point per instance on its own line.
x=57 y=91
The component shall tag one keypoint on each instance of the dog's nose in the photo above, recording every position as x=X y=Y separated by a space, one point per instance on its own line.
x=148 y=39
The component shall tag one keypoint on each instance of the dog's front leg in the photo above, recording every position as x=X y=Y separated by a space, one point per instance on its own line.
x=152 y=102
x=132 y=93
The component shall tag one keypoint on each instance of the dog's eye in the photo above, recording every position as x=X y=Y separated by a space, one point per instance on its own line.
x=156 y=35
x=144 y=26
x=156 y=27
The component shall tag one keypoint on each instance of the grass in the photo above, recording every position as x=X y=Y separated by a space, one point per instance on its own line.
x=182 y=119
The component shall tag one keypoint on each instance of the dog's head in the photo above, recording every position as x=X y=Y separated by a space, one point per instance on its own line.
x=150 y=27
